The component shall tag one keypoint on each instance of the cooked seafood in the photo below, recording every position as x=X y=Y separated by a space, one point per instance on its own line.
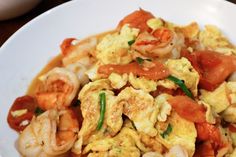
x=50 y=134
x=149 y=88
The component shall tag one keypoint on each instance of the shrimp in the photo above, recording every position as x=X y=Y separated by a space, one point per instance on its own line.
x=161 y=43
x=137 y=19
x=52 y=133
x=78 y=56
x=59 y=87
x=177 y=151
x=75 y=51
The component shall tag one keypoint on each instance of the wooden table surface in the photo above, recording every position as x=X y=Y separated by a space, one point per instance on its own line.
x=8 y=27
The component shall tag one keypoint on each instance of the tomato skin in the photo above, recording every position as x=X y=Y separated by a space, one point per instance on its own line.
x=188 y=109
x=155 y=73
x=204 y=150
x=24 y=102
x=208 y=132
x=232 y=128
x=137 y=19
x=212 y=67
x=161 y=89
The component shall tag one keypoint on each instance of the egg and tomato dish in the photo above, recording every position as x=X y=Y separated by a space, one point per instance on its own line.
x=148 y=88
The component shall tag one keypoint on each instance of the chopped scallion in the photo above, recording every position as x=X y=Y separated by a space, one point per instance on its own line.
x=131 y=42
x=167 y=131
x=181 y=84
x=38 y=111
x=102 y=102
x=139 y=60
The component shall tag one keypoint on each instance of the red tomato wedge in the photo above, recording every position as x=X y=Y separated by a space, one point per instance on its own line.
x=24 y=102
x=204 y=150
x=155 y=73
x=137 y=19
x=232 y=128
x=212 y=67
x=66 y=46
x=208 y=132
x=188 y=109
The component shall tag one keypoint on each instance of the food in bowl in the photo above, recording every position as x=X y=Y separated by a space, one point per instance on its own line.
x=148 y=88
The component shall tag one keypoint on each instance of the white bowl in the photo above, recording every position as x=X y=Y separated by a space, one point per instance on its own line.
x=13 y=8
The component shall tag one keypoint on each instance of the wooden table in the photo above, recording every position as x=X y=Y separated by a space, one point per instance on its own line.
x=7 y=28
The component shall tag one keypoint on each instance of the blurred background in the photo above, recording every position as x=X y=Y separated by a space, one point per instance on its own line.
x=8 y=27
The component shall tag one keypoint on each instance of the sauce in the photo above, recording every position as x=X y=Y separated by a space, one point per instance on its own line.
x=55 y=62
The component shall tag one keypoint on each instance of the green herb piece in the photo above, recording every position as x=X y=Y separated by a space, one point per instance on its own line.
x=181 y=84
x=148 y=59
x=38 y=111
x=78 y=102
x=131 y=42
x=102 y=102
x=167 y=131
x=139 y=60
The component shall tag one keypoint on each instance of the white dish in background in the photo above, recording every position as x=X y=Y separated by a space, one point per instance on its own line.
x=30 y=48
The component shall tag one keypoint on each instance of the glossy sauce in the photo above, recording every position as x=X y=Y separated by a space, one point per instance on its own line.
x=55 y=62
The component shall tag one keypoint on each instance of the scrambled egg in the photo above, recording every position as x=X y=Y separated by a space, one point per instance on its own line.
x=210 y=113
x=90 y=108
x=218 y=98
x=92 y=72
x=229 y=114
x=142 y=83
x=190 y=31
x=233 y=153
x=164 y=107
x=183 y=133
x=232 y=92
x=182 y=69
x=123 y=144
x=113 y=49
x=118 y=81
x=139 y=107
x=213 y=39
x=167 y=84
x=155 y=23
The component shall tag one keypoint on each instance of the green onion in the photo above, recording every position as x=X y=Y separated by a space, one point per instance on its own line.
x=148 y=59
x=139 y=60
x=102 y=97
x=78 y=102
x=181 y=84
x=131 y=42
x=38 y=111
x=167 y=131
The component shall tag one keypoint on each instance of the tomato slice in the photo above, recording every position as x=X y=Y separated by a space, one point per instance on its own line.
x=232 y=128
x=161 y=90
x=212 y=67
x=188 y=109
x=137 y=19
x=208 y=132
x=155 y=73
x=24 y=102
x=204 y=150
